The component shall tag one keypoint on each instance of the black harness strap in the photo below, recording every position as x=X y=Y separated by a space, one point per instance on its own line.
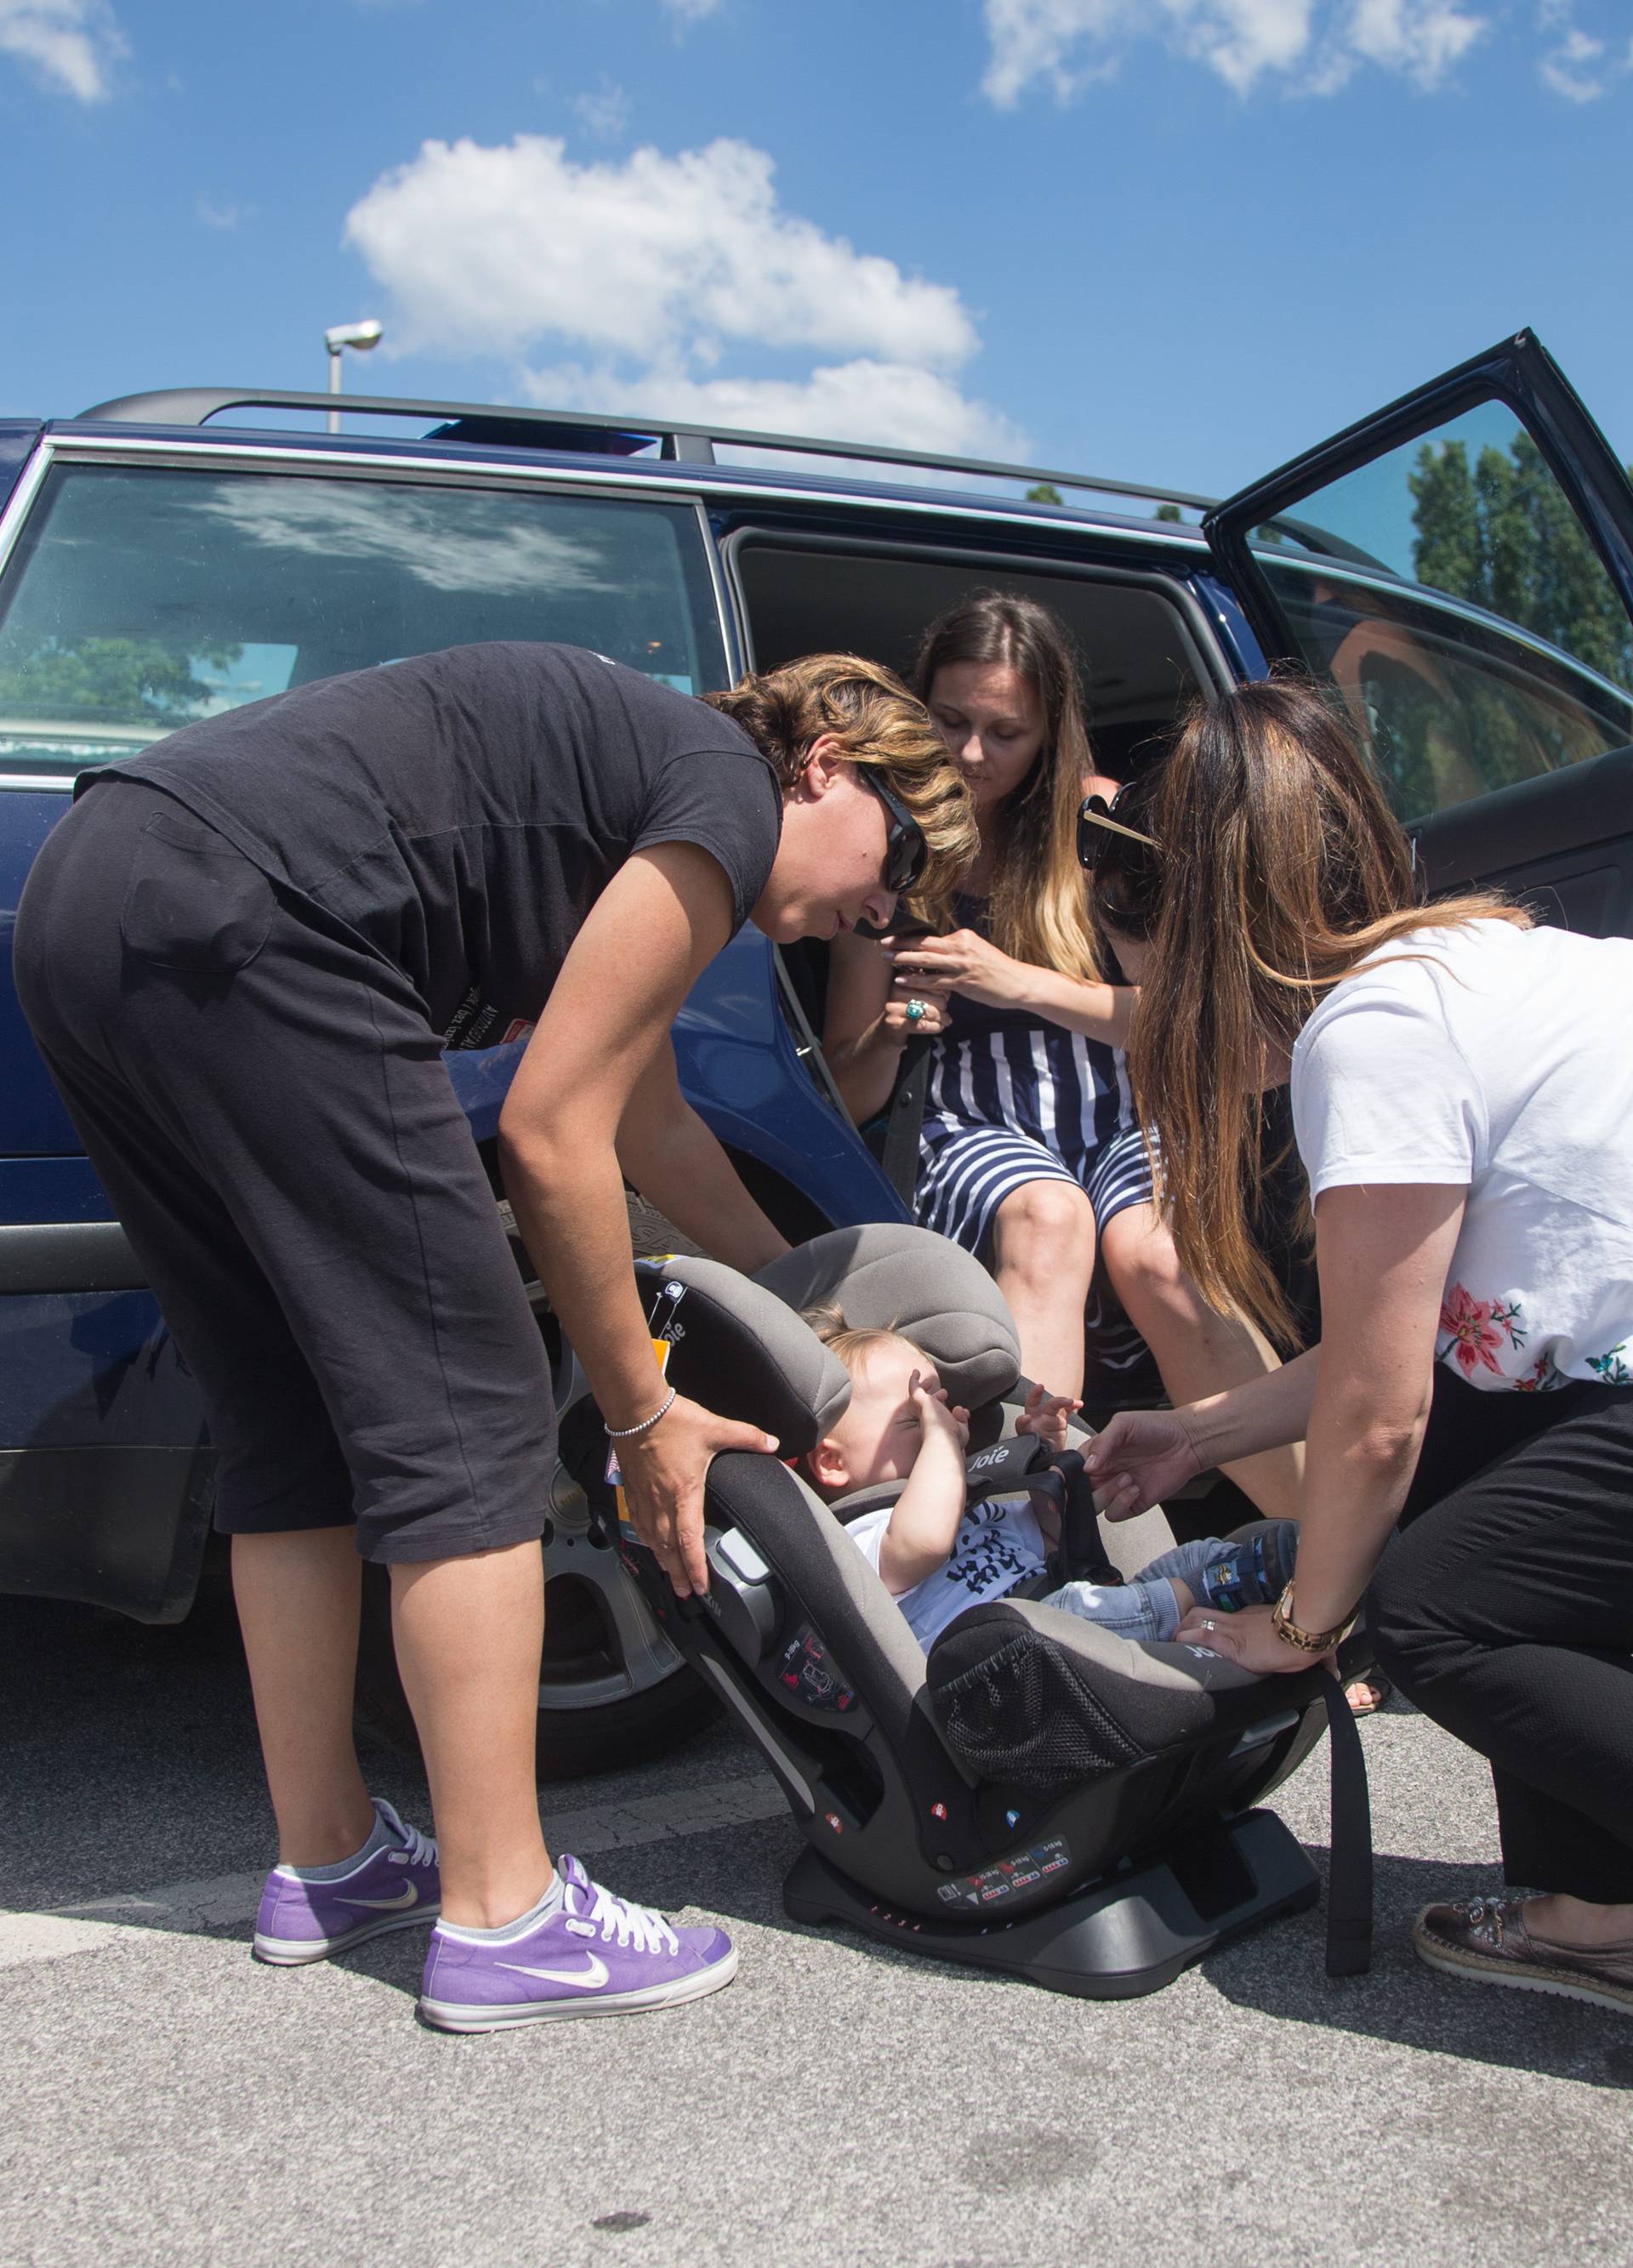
x=1349 y=1879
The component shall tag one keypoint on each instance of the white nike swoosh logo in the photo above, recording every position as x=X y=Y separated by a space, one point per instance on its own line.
x=588 y=1979
x=407 y=1896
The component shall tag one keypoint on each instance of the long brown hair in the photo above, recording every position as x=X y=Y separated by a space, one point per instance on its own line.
x=876 y=720
x=1283 y=868
x=1039 y=909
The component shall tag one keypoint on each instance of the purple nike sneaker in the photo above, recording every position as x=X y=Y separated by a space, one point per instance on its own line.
x=595 y=1956
x=395 y=1888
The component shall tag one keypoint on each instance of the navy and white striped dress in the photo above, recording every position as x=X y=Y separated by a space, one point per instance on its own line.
x=1013 y=1097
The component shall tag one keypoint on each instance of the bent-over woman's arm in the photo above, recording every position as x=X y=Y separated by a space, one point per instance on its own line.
x=862 y=1044
x=671 y=1156
x=647 y=939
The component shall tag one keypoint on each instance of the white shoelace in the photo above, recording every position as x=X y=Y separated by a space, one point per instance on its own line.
x=648 y=1932
x=417 y=1850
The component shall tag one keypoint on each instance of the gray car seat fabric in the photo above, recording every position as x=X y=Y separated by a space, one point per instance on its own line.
x=1033 y=1759
x=909 y=1279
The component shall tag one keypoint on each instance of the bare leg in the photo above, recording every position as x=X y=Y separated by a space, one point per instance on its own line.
x=298 y=1597
x=1197 y=1351
x=468 y=1636
x=1043 y=1258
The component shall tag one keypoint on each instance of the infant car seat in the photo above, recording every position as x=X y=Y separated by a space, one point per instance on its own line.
x=1040 y=1796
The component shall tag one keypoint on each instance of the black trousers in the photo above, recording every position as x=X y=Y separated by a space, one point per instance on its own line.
x=1504 y=1610
x=267 y=1107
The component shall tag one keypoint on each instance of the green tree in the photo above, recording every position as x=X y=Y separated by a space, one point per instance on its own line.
x=1501 y=533
x=110 y=680
x=1168 y=512
x=1045 y=492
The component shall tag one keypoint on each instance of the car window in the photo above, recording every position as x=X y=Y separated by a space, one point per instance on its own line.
x=142 y=599
x=1449 y=591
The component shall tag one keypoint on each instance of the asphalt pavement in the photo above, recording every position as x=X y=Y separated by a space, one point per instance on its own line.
x=165 y=2099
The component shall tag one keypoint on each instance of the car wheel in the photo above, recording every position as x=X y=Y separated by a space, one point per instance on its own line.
x=612 y=1690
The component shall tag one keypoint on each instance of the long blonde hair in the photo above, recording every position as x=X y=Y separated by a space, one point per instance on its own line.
x=1038 y=907
x=869 y=713
x=1282 y=867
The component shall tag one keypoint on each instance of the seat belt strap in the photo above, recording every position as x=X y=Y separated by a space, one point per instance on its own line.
x=1349 y=1879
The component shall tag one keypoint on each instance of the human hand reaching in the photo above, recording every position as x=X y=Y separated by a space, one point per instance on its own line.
x=1142 y=1456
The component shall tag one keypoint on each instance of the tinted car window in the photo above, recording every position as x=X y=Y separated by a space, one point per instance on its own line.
x=141 y=600
x=1401 y=581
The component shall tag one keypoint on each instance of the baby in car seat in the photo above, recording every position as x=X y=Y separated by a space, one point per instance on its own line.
x=936 y=1555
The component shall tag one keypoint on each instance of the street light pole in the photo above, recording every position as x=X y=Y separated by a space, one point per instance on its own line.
x=361 y=336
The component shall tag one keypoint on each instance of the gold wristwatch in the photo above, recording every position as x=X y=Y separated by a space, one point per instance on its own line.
x=1307 y=1641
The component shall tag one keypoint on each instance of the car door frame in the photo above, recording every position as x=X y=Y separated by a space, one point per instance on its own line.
x=1518 y=371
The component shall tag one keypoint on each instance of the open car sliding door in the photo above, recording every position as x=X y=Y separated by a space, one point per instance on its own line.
x=1461 y=567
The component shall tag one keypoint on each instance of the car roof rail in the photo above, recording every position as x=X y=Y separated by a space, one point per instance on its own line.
x=487 y=423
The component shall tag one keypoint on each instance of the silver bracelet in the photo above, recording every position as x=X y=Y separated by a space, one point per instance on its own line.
x=624 y=1432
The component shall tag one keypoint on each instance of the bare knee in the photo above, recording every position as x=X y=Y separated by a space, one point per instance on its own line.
x=1044 y=1230
x=1145 y=1269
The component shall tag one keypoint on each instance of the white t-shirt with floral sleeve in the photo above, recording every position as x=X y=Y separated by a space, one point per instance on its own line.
x=1500 y=1060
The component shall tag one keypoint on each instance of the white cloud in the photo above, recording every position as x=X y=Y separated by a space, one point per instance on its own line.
x=1574 y=67
x=860 y=401
x=691 y=11
x=1423 y=37
x=221 y=216
x=603 y=113
x=74 y=44
x=1311 y=45
x=498 y=247
x=634 y=282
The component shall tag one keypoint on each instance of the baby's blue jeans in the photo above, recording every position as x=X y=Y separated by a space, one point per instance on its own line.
x=1144 y=1607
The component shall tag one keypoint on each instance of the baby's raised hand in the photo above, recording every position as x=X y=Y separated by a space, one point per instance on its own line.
x=938 y=1418
x=1045 y=1415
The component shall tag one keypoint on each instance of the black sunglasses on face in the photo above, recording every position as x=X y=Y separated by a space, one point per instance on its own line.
x=907 y=853
x=1104 y=839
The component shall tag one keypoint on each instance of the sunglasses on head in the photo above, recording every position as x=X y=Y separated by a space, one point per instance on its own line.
x=907 y=853
x=1104 y=839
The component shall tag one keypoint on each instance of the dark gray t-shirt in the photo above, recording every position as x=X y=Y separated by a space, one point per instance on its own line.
x=464 y=810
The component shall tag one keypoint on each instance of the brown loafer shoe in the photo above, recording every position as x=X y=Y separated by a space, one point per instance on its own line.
x=1487 y=1940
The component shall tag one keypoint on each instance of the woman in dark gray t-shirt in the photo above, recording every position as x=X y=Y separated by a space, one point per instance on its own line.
x=243 y=954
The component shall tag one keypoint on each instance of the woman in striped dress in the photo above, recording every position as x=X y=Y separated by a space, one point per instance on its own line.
x=1031 y=1156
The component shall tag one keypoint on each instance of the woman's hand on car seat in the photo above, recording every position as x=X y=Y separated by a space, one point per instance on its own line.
x=1247 y=1638
x=663 y=1473
x=1141 y=1456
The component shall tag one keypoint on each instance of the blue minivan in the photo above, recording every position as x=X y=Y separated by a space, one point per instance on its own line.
x=1460 y=567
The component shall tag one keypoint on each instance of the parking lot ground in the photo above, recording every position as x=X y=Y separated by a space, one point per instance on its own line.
x=163 y=2098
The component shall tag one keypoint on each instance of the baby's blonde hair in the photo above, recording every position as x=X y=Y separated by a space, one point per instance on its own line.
x=852 y=1345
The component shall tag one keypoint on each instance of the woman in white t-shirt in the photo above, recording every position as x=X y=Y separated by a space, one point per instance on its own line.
x=1462 y=1096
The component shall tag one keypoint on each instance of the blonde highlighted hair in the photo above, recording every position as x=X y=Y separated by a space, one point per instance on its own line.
x=1283 y=868
x=867 y=709
x=1039 y=906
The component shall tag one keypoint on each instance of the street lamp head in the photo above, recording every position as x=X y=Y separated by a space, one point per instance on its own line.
x=360 y=335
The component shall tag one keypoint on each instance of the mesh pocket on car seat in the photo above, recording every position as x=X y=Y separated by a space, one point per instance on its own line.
x=1022 y=1716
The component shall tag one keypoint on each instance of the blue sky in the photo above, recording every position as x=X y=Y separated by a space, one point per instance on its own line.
x=1175 y=240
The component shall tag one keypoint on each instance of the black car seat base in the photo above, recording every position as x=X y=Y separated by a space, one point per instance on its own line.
x=1117 y=1939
